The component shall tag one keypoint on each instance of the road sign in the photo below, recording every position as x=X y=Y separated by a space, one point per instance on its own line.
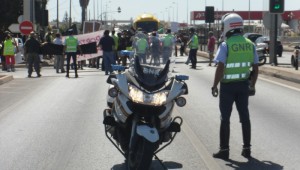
x=14 y=28
x=20 y=18
x=26 y=27
x=267 y=20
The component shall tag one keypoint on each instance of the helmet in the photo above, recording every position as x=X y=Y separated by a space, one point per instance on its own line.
x=192 y=30
x=231 y=22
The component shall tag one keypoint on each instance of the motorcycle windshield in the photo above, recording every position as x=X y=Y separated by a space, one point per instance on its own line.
x=151 y=77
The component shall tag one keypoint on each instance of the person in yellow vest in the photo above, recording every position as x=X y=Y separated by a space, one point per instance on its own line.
x=141 y=47
x=9 y=53
x=71 y=45
x=193 y=43
x=167 y=46
x=116 y=40
x=235 y=57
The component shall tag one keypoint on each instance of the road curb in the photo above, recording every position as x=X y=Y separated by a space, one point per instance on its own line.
x=286 y=75
x=5 y=78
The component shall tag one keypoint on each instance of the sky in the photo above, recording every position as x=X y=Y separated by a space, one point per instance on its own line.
x=175 y=10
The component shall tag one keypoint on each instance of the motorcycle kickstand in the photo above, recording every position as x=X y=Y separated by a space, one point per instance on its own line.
x=165 y=168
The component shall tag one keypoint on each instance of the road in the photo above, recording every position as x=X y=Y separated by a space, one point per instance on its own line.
x=56 y=123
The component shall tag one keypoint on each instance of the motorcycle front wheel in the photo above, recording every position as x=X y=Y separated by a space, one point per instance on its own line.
x=140 y=157
x=262 y=61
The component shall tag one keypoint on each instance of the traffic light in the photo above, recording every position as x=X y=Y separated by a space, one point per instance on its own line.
x=276 y=6
x=209 y=14
x=20 y=7
x=119 y=10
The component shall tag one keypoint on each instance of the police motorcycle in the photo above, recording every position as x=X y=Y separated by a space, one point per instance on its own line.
x=138 y=120
x=295 y=59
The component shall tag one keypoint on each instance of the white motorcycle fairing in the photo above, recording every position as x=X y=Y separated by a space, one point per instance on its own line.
x=151 y=134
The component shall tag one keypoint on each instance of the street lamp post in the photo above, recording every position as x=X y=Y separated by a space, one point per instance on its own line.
x=249 y=17
x=105 y=13
x=57 y=17
x=187 y=12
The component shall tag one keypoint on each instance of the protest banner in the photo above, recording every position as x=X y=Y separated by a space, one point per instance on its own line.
x=89 y=38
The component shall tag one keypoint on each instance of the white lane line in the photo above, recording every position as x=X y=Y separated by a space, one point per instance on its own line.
x=199 y=146
x=280 y=84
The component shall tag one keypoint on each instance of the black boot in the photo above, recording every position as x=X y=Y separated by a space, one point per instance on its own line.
x=246 y=130
x=246 y=152
x=222 y=154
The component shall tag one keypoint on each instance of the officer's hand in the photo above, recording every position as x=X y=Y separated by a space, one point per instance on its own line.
x=215 y=91
x=252 y=90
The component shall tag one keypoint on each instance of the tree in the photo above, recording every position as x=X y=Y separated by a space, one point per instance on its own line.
x=10 y=10
x=65 y=22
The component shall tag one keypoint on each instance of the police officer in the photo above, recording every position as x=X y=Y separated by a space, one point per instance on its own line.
x=141 y=47
x=71 y=45
x=167 y=45
x=31 y=50
x=193 y=44
x=235 y=57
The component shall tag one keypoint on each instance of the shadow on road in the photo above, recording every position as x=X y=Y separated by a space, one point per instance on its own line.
x=253 y=164
x=154 y=166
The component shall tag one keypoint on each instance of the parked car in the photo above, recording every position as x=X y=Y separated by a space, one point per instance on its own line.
x=264 y=41
x=252 y=36
x=19 y=56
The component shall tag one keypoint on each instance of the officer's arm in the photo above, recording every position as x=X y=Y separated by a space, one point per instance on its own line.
x=254 y=75
x=219 y=74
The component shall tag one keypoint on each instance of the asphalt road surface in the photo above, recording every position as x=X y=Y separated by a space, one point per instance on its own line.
x=56 y=123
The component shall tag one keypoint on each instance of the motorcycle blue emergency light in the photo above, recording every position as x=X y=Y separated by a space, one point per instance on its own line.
x=118 y=67
x=181 y=77
x=126 y=52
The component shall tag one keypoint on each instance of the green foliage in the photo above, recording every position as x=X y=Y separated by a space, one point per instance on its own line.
x=10 y=10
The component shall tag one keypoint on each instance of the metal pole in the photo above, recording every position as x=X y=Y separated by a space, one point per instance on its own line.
x=70 y=17
x=222 y=5
x=57 y=17
x=177 y=12
x=31 y=11
x=187 y=12
x=275 y=40
x=249 y=18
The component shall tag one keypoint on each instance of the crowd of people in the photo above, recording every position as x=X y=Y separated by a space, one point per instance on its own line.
x=151 y=48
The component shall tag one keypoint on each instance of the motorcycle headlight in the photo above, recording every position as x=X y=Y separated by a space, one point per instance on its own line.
x=155 y=99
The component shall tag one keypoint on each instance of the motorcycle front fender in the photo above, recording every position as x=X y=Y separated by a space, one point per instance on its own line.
x=150 y=134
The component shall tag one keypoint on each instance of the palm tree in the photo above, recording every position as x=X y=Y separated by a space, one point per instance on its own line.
x=83 y=4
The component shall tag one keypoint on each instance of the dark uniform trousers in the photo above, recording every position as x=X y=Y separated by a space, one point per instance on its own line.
x=74 y=58
x=238 y=93
x=33 y=61
x=193 y=57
